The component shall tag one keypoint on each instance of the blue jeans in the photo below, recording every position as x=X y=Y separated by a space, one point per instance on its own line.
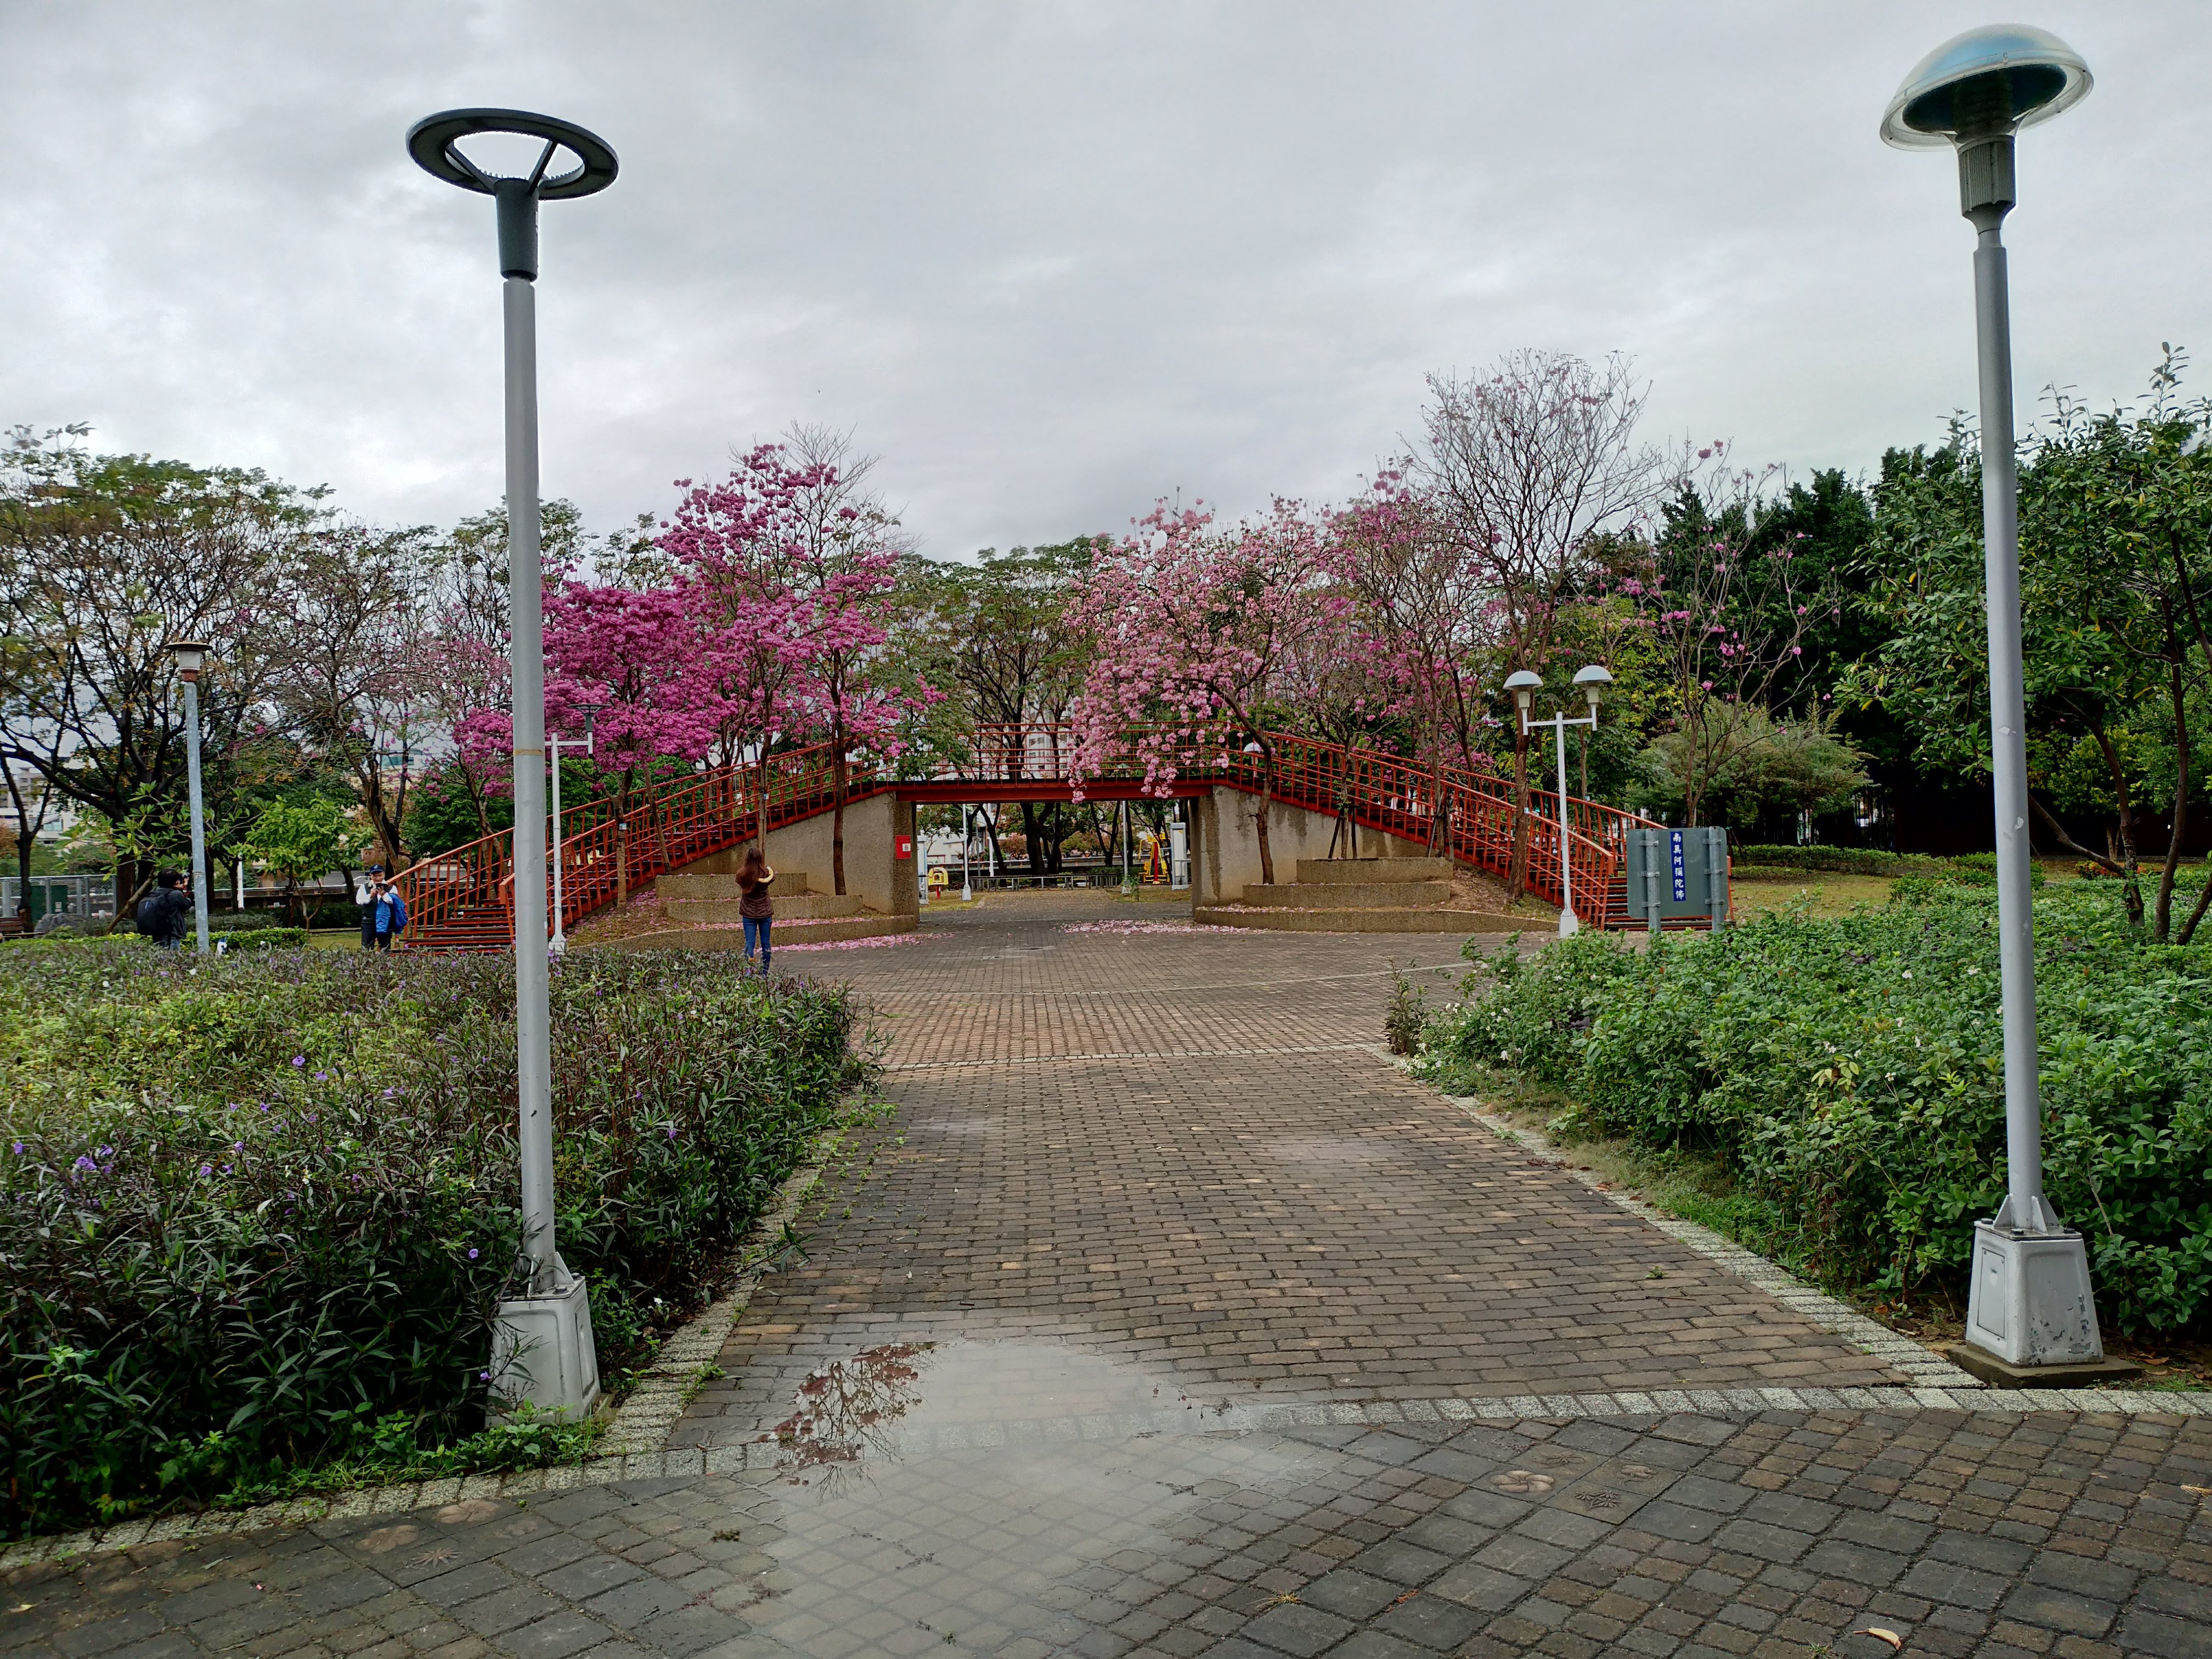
x=757 y=933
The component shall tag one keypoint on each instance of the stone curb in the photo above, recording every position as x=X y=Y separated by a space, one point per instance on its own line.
x=1927 y=1369
x=761 y=1455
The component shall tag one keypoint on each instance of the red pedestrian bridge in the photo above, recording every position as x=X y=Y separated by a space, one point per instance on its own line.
x=463 y=899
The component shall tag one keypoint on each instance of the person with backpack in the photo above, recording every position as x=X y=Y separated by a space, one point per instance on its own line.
x=160 y=914
x=387 y=914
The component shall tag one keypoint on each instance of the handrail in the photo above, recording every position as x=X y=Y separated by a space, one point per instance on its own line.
x=720 y=807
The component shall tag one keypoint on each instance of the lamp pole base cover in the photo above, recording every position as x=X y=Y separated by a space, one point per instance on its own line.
x=2029 y=1302
x=541 y=1357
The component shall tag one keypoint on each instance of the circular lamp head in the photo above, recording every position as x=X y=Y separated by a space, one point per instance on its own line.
x=191 y=655
x=435 y=142
x=2018 y=73
x=1523 y=685
x=1592 y=677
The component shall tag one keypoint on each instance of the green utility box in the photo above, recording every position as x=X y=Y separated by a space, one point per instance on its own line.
x=1677 y=877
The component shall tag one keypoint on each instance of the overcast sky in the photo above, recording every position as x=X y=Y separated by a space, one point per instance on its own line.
x=1050 y=261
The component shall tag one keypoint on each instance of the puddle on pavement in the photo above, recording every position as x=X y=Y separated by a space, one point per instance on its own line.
x=953 y=1489
x=878 y=1406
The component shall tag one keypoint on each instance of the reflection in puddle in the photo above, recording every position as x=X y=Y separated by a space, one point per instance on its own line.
x=898 y=1400
x=849 y=1406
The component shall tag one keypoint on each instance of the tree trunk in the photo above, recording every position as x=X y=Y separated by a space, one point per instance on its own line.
x=837 y=817
x=2124 y=853
x=1260 y=817
x=2162 y=924
x=1517 y=876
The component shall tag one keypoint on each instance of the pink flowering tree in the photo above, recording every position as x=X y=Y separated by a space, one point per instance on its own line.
x=792 y=562
x=740 y=541
x=1196 y=634
x=1425 y=598
x=633 y=658
x=840 y=693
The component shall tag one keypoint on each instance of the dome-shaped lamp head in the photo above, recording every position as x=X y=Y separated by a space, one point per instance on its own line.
x=434 y=141
x=1593 y=680
x=1523 y=685
x=1975 y=91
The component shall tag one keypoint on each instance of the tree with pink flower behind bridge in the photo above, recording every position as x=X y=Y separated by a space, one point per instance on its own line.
x=1201 y=637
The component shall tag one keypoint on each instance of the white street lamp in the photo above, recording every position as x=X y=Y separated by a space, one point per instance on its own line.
x=2030 y=1302
x=967 y=842
x=560 y=945
x=542 y=1339
x=1524 y=684
x=192 y=656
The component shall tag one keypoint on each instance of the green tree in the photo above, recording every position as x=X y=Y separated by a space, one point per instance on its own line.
x=304 y=842
x=2115 y=585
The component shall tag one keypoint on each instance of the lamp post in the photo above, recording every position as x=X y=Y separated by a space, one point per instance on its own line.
x=542 y=1348
x=1523 y=684
x=192 y=656
x=967 y=842
x=2029 y=1303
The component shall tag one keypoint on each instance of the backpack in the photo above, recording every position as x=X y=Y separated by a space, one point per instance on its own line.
x=155 y=916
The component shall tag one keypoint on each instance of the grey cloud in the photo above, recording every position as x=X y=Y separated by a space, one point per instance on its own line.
x=1049 y=260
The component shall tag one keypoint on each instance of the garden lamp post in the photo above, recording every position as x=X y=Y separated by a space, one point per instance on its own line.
x=2029 y=1303
x=560 y=945
x=967 y=846
x=1523 y=684
x=192 y=656
x=542 y=1339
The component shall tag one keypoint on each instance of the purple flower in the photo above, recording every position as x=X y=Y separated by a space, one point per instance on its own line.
x=237 y=1145
x=18 y=1149
x=472 y=1255
x=207 y=1169
x=322 y=1077
x=107 y=1152
x=299 y=1060
x=85 y=1163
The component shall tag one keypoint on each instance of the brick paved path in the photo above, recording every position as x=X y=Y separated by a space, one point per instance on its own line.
x=1098 y=1418
x=1181 y=1150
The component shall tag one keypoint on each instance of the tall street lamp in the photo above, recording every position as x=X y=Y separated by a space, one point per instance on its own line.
x=2029 y=1304
x=542 y=1348
x=1524 y=684
x=192 y=656
x=560 y=945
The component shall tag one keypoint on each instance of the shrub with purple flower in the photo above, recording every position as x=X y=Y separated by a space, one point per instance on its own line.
x=253 y=1207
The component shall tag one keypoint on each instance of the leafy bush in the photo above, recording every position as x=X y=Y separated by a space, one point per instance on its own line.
x=259 y=938
x=1849 y=1071
x=1841 y=860
x=253 y=1208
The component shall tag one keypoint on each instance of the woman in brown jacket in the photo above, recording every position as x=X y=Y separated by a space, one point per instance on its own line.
x=754 y=905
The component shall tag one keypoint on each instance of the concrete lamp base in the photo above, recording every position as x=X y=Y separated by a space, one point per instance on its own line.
x=2029 y=1305
x=542 y=1356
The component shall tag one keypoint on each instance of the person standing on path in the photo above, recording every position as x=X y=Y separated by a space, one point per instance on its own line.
x=757 y=909
x=387 y=914
x=364 y=898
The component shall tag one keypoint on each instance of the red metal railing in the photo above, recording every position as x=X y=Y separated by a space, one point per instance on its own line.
x=469 y=889
x=1377 y=791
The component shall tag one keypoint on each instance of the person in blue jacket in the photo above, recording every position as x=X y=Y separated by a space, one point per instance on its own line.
x=387 y=914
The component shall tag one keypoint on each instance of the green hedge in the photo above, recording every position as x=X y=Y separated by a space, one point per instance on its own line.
x=1849 y=1072
x=255 y=1211
x=1839 y=860
x=259 y=938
